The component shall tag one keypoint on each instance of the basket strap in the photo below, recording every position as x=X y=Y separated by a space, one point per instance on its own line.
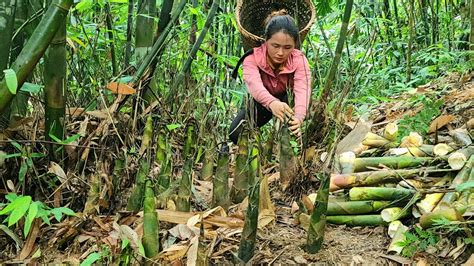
x=235 y=72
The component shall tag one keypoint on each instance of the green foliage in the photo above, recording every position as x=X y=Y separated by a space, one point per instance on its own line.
x=10 y=78
x=418 y=241
x=420 y=121
x=91 y=259
x=23 y=207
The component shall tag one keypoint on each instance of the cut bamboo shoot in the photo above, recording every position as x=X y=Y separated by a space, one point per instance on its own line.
x=380 y=193
x=412 y=140
x=457 y=159
x=355 y=207
x=394 y=162
x=357 y=220
x=422 y=151
x=461 y=137
x=393 y=214
x=397 y=240
x=442 y=149
x=346 y=160
x=391 y=132
x=340 y=181
x=427 y=220
x=376 y=141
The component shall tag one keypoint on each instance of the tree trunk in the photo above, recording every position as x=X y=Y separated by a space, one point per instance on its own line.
x=110 y=34
x=35 y=47
x=411 y=25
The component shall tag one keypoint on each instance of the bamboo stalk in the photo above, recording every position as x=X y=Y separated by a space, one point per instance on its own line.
x=339 y=181
x=183 y=200
x=145 y=28
x=356 y=207
x=249 y=233
x=150 y=240
x=35 y=47
x=55 y=90
x=380 y=193
x=220 y=191
x=7 y=16
x=357 y=220
x=318 y=218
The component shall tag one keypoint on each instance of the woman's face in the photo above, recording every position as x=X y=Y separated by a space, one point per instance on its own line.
x=279 y=47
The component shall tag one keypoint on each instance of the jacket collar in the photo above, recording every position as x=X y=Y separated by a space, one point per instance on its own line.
x=260 y=54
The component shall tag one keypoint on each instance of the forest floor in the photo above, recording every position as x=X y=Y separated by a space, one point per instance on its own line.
x=280 y=241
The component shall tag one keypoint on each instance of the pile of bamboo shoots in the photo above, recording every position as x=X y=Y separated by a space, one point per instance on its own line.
x=387 y=182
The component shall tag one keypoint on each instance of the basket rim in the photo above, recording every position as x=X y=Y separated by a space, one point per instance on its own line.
x=254 y=37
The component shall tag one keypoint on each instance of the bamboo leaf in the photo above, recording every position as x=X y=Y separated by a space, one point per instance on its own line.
x=171 y=127
x=32 y=211
x=31 y=88
x=121 y=88
x=21 y=205
x=93 y=257
x=11 y=80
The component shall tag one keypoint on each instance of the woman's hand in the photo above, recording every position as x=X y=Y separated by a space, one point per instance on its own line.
x=280 y=110
x=295 y=126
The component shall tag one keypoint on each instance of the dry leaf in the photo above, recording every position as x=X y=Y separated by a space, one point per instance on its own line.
x=121 y=88
x=192 y=254
x=75 y=111
x=54 y=168
x=440 y=122
x=174 y=252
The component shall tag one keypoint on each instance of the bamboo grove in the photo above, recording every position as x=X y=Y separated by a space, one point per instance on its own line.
x=111 y=106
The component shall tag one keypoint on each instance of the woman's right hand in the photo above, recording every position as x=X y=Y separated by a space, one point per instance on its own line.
x=280 y=110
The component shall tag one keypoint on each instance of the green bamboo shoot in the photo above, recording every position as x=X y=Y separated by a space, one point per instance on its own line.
x=394 y=162
x=288 y=166
x=317 y=224
x=151 y=242
x=240 y=185
x=249 y=233
x=220 y=191
x=183 y=201
x=136 y=199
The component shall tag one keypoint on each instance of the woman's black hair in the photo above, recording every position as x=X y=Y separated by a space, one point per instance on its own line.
x=280 y=21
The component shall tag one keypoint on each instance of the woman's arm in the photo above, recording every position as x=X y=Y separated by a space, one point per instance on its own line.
x=302 y=87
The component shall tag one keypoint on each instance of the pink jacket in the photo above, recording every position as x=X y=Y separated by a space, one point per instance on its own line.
x=264 y=85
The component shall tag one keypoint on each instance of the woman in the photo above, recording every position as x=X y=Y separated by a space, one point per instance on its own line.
x=272 y=68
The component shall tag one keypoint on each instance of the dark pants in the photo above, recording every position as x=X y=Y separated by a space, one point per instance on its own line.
x=259 y=117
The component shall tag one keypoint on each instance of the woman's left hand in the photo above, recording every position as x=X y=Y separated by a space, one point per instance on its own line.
x=295 y=126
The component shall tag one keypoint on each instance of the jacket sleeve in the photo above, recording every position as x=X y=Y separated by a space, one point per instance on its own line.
x=302 y=87
x=254 y=83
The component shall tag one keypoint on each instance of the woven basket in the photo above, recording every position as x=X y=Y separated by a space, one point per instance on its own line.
x=250 y=16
